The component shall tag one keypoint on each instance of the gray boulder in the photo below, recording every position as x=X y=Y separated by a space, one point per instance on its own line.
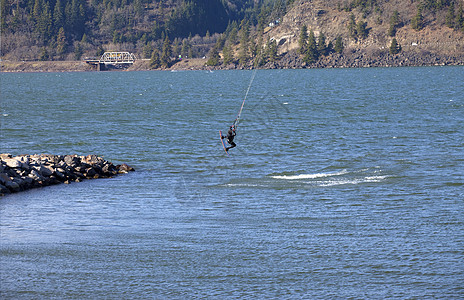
x=44 y=170
x=13 y=162
x=12 y=186
x=36 y=175
x=4 y=190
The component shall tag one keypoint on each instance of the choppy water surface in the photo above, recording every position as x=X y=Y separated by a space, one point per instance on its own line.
x=344 y=183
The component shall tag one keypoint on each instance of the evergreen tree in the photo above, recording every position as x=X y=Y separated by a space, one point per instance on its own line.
x=303 y=40
x=147 y=51
x=191 y=53
x=67 y=15
x=221 y=41
x=176 y=47
x=330 y=48
x=395 y=18
x=417 y=22
x=228 y=29
x=459 y=21
x=185 y=48
x=61 y=43
x=253 y=49
x=339 y=45
x=391 y=30
x=450 y=16
x=233 y=35
x=352 y=28
x=260 y=58
x=138 y=9
x=395 y=48
x=81 y=22
x=166 y=53
x=321 y=45
x=228 y=54
x=311 y=55
x=155 y=61
x=394 y=23
x=115 y=37
x=37 y=12
x=44 y=23
x=272 y=50
x=244 y=43
x=214 y=55
x=74 y=17
x=44 y=54
x=361 y=29
x=156 y=31
x=4 y=12
x=58 y=15
x=261 y=23
x=78 y=51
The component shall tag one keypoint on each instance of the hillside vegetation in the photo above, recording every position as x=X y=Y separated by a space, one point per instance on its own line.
x=231 y=33
x=70 y=29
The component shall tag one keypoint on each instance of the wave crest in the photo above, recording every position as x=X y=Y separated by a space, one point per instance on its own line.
x=310 y=176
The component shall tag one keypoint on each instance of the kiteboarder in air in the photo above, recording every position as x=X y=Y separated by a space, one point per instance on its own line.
x=232 y=130
x=230 y=137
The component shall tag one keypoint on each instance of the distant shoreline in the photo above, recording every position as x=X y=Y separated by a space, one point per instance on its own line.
x=288 y=61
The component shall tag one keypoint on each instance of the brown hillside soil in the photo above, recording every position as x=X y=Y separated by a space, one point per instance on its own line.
x=185 y=64
x=44 y=66
x=320 y=16
x=80 y=66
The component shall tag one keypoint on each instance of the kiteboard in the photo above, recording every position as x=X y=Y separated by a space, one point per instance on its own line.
x=222 y=142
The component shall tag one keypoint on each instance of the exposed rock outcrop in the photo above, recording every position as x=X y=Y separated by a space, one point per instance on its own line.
x=23 y=172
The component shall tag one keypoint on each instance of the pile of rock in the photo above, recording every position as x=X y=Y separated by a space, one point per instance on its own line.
x=357 y=59
x=24 y=172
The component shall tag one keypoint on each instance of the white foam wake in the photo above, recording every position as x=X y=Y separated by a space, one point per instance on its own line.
x=309 y=176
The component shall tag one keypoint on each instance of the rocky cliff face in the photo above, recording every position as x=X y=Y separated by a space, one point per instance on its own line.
x=330 y=18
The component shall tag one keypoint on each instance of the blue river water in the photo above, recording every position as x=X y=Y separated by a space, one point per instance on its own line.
x=345 y=183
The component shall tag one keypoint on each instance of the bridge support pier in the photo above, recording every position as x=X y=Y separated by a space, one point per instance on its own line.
x=101 y=67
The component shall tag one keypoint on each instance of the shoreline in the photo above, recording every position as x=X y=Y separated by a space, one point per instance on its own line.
x=291 y=60
x=25 y=172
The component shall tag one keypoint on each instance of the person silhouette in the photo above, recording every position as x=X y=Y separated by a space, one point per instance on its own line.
x=230 y=137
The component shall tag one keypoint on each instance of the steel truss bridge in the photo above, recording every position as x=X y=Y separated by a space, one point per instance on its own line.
x=116 y=59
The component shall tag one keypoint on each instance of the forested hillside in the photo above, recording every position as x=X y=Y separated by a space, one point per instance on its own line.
x=231 y=32
x=69 y=29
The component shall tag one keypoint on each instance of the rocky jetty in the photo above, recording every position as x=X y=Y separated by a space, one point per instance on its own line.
x=20 y=173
